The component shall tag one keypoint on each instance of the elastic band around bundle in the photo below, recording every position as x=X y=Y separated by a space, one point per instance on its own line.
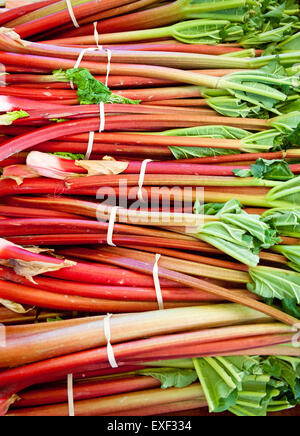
x=108 y=51
x=90 y=146
x=71 y=13
x=142 y=178
x=111 y=225
x=157 y=283
x=92 y=133
x=107 y=333
x=79 y=59
x=101 y=105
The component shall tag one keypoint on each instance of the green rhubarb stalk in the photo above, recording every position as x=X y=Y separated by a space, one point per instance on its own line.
x=192 y=32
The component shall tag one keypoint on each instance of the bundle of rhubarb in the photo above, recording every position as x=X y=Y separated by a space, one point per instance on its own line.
x=149 y=207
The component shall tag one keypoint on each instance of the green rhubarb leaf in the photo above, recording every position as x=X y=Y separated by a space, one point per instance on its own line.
x=222 y=11
x=57 y=318
x=276 y=12
x=238 y=234
x=90 y=90
x=239 y=172
x=222 y=132
x=70 y=156
x=171 y=377
x=249 y=386
x=220 y=389
x=263 y=90
x=58 y=120
x=200 y=31
x=267 y=169
x=290 y=44
x=271 y=170
x=223 y=379
x=275 y=68
x=287 y=193
x=266 y=236
x=255 y=396
x=287 y=123
x=218 y=209
x=286 y=222
x=287 y=370
x=290 y=307
x=197 y=152
x=290 y=106
x=260 y=38
x=267 y=140
x=234 y=107
x=232 y=241
x=273 y=283
x=8 y=118
x=292 y=253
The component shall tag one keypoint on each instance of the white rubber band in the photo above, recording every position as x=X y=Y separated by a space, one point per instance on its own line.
x=92 y=134
x=109 y=56
x=110 y=351
x=157 y=284
x=100 y=47
x=90 y=146
x=71 y=13
x=96 y=36
x=142 y=178
x=102 y=116
x=79 y=59
x=111 y=225
x=71 y=395
x=82 y=53
x=101 y=105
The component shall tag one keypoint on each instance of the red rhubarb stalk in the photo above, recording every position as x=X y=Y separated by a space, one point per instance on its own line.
x=85 y=390
x=50 y=300
x=108 y=292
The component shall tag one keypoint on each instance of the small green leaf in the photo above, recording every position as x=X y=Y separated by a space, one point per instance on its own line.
x=90 y=90
x=267 y=169
x=273 y=283
x=242 y=172
x=57 y=318
x=224 y=132
x=237 y=233
x=286 y=123
x=285 y=221
x=196 y=152
x=218 y=209
x=287 y=193
x=8 y=118
x=58 y=120
x=171 y=377
x=70 y=156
